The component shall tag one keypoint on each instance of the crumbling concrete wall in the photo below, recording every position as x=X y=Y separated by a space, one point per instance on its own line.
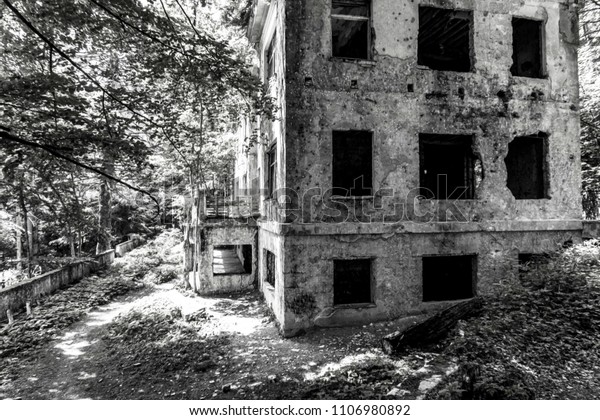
x=270 y=239
x=396 y=270
x=488 y=103
x=15 y=297
x=224 y=233
x=397 y=99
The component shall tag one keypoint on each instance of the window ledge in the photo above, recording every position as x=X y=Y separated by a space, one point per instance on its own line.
x=355 y=306
x=452 y=200
x=423 y=67
x=359 y=61
x=237 y=273
x=352 y=197
x=529 y=78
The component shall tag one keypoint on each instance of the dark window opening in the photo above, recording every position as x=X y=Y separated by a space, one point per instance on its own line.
x=448 y=167
x=529 y=261
x=232 y=259
x=269 y=267
x=449 y=278
x=445 y=39
x=271 y=170
x=351 y=282
x=352 y=163
x=526 y=167
x=527 y=48
x=351 y=28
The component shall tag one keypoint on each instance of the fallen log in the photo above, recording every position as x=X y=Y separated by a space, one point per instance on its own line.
x=433 y=328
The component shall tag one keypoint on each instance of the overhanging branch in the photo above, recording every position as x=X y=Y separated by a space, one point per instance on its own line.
x=7 y=136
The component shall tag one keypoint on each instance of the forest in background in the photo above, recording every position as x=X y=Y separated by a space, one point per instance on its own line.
x=111 y=112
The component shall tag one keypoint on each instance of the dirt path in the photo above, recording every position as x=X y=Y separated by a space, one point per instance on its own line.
x=164 y=343
x=251 y=362
x=64 y=367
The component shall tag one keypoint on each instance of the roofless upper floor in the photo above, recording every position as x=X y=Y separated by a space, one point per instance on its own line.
x=398 y=93
x=393 y=45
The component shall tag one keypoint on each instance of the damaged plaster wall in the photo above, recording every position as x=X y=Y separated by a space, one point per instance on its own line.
x=397 y=100
x=225 y=233
x=488 y=103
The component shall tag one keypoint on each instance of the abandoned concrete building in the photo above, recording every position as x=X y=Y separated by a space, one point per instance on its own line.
x=421 y=149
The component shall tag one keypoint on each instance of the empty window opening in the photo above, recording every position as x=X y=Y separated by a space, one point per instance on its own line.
x=445 y=39
x=352 y=163
x=232 y=259
x=449 y=278
x=526 y=167
x=269 y=276
x=529 y=261
x=270 y=62
x=527 y=48
x=448 y=167
x=352 y=282
x=351 y=28
x=272 y=171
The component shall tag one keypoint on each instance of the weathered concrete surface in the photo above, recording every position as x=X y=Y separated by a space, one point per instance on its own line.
x=397 y=99
x=125 y=247
x=495 y=107
x=15 y=297
x=224 y=233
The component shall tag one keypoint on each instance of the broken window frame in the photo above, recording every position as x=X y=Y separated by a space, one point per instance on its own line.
x=542 y=72
x=343 y=17
x=359 y=303
x=436 y=260
x=470 y=168
x=270 y=268
x=271 y=161
x=421 y=61
x=337 y=184
x=544 y=170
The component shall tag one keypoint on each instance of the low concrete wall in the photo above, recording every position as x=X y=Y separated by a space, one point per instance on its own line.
x=105 y=259
x=15 y=297
x=125 y=247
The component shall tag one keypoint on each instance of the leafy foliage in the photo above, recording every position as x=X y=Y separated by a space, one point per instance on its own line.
x=145 y=92
x=538 y=339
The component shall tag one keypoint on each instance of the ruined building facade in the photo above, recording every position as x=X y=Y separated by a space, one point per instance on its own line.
x=421 y=149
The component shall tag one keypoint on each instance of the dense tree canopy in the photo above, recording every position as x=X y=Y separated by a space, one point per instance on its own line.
x=105 y=104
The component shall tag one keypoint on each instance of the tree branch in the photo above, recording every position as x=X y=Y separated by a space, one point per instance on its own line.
x=15 y=139
x=87 y=75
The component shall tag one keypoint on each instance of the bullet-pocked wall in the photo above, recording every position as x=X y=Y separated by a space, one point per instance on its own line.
x=401 y=94
x=396 y=280
x=396 y=99
x=409 y=111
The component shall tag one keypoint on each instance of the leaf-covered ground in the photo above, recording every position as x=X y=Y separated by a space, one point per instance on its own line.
x=537 y=340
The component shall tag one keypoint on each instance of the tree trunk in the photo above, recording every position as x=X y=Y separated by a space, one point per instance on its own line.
x=25 y=224
x=104 y=224
x=433 y=328
x=71 y=242
x=19 y=243
x=104 y=213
